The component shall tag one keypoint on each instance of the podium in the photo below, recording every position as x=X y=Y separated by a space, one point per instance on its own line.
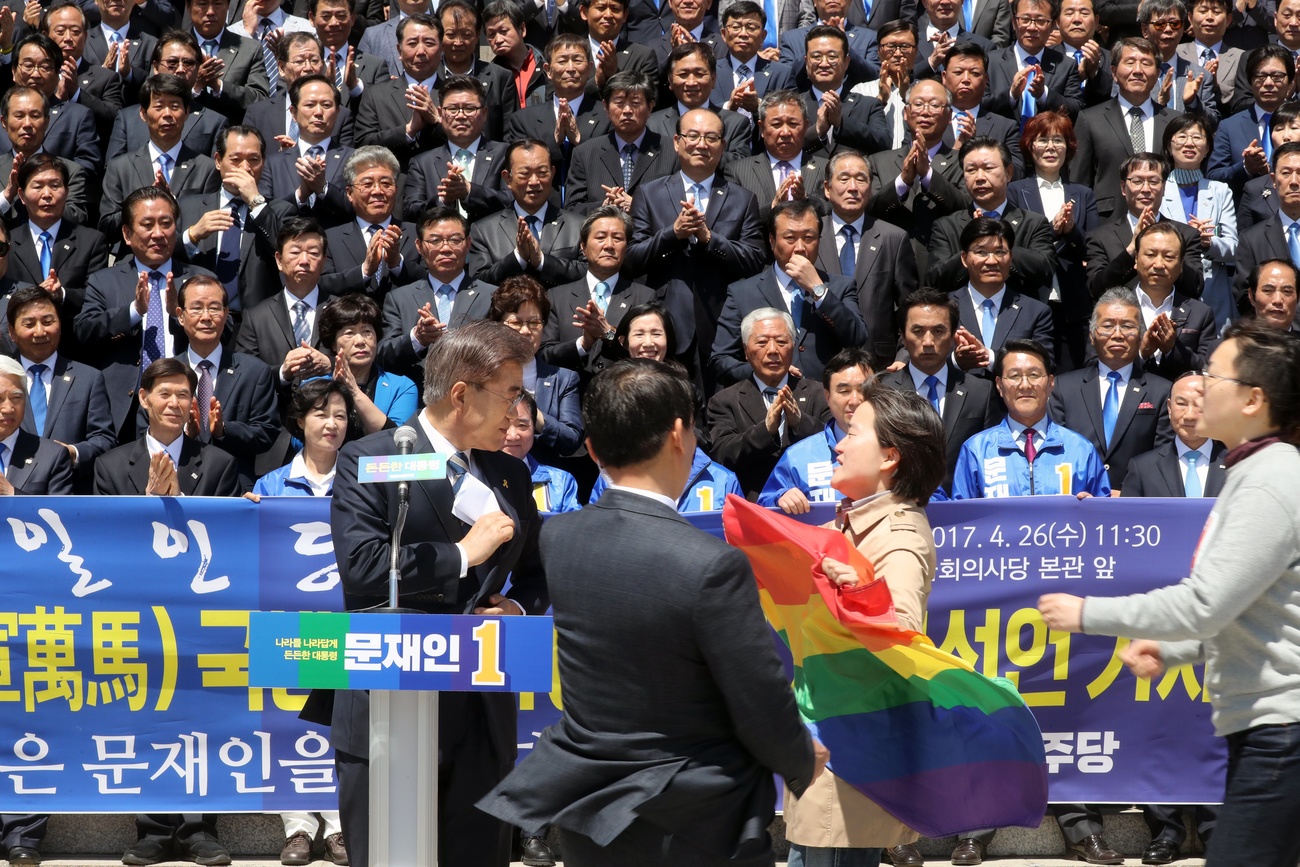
x=404 y=660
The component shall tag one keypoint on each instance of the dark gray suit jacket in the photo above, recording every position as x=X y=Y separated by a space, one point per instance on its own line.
x=71 y=134
x=280 y=180
x=1063 y=92
x=537 y=120
x=560 y=339
x=1033 y=252
x=77 y=411
x=736 y=128
x=267 y=332
x=1259 y=243
x=141 y=45
x=38 y=466
x=917 y=211
x=200 y=133
x=204 y=471
x=1109 y=263
x=597 y=162
x=487 y=193
x=347 y=253
x=1157 y=474
x=192 y=174
x=755 y=174
x=492 y=249
x=244 y=82
x=258 y=276
x=268 y=117
x=245 y=387
x=79 y=206
x=1104 y=144
x=381 y=119
x=401 y=312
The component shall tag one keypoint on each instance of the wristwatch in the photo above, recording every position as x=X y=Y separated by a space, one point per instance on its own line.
x=609 y=335
x=257 y=201
x=819 y=291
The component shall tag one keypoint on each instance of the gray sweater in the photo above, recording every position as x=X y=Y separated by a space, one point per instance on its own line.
x=1240 y=609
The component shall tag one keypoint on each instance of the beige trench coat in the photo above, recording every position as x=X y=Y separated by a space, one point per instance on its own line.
x=895 y=536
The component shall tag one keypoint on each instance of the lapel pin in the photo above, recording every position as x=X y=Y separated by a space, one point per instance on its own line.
x=67 y=378
x=28 y=462
x=873 y=249
x=504 y=483
x=194 y=475
x=67 y=246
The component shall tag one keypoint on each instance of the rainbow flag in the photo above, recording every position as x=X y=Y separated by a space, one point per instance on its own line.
x=940 y=747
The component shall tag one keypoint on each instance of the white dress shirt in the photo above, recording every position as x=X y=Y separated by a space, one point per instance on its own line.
x=641 y=492
x=1148 y=119
x=1202 y=465
x=1103 y=386
x=703 y=205
x=442 y=445
x=173 y=448
x=455 y=284
x=837 y=226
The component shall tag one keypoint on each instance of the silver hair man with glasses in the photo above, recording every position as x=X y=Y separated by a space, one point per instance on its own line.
x=1120 y=407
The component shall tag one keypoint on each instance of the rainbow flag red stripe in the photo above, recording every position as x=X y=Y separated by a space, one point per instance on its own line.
x=939 y=746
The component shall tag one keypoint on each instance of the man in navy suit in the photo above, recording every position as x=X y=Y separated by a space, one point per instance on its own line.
x=1272 y=239
x=37 y=61
x=1241 y=143
x=824 y=309
x=29 y=466
x=1118 y=406
x=1027 y=76
x=1178 y=331
x=1191 y=465
x=743 y=76
x=692 y=71
x=864 y=47
x=966 y=76
x=693 y=234
x=309 y=175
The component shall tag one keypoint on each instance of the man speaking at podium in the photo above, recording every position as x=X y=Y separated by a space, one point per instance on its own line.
x=457 y=549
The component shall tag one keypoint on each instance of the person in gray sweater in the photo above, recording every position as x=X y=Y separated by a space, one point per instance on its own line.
x=1238 y=610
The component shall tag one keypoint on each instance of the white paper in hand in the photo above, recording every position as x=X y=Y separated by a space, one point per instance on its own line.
x=474 y=500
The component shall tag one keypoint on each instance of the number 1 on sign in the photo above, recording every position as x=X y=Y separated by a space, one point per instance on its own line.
x=487 y=635
x=1065 y=473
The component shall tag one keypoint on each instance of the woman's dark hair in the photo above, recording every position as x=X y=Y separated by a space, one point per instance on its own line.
x=515 y=292
x=343 y=312
x=313 y=395
x=1282 y=117
x=1269 y=359
x=905 y=421
x=1045 y=124
x=650 y=307
x=631 y=407
x=1183 y=122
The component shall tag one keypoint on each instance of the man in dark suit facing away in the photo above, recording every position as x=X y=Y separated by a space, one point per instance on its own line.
x=1167 y=470
x=1119 y=407
x=473 y=379
x=674 y=768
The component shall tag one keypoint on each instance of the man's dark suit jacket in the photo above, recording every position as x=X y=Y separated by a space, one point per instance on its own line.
x=381 y=119
x=687 y=751
x=692 y=278
x=768 y=78
x=267 y=332
x=347 y=253
x=1142 y=424
x=401 y=312
x=1033 y=252
x=71 y=134
x=1258 y=202
x=663 y=46
x=83 y=189
x=862 y=123
x=79 y=251
x=1232 y=137
x=1019 y=318
x=823 y=330
x=38 y=466
x=492 y=248
x=1104 y=144
x=1110 y=264
x=995 y=126
x=141 y=45
x=200 y=133
x=560 y=338
x=864 y=53
x=993 y=22
x=245 y=386
x=882 y=12
x=970 y=404
x=1157 y=474
x=596 y=163
x=101 y=92
x=204 y=471
x=258 y=276
x=268 y=117
x=280 y=180
x=1197 y=333
x=738 y=431
x=77 y=412
x=755 y=174
x=244 y=81
x=647 y=21
x=925 y=48
x=884 y=273
x=917 y=211
x=632 y=56
x=193 y=174
x=502 y=98
x=487 y=193
x=1062 y=83
x=1259 y=243
x=537 y=121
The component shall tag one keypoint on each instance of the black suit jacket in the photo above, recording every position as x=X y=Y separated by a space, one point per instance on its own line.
x=1104 y=144
x=597 y=163
x=736 y=129
x=204 y=471
x=492 y=249
x=1071 y=248
x=1157 y=474
x=401 y=313
x=1259 y=243
x=200 y=133
x=682 y=737
x=995 y=126
x=38 y=466
x=537 y=120
x=347 y=253
x=884 y=273
x=244 y=81
x=381 y=119
x=258 y=276
x=1062 y=93
x=1019 y=318
x=1259 y=201
x=77 y=412
x=80 y=206
x=487 y=193
x=141 y=44
x=560 y=339
x=970 y=404
x=502 y=98
x=755 y=174
x=1033 y=252
x=1109 y=262
x=101 y=92
x=267 y=332
x=268 y=116
x=245 y=387
x=1142 y=424
x=79 y=251
x=192 y=174
x=738 y=434
x=925 y=47
x=917 y=210
x=862 y=122
x=280 y=180
x=823 y=330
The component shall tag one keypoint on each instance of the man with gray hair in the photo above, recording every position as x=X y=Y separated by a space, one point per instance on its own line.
x=472 y=382
x=29 y=464
x=753 y=422
x=1119 y=407
x=782 y=171
x=371 y=253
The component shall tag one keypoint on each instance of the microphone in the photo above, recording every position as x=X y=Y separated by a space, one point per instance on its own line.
x=404 y=438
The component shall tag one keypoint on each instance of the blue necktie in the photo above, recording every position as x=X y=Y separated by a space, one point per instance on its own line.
x=1078 y=64
x=849 y=252
x=988 y=323
x=1192 y=482
x=769 y=37
x=968 y=13
x=1110 y=409
x=301 y=329
x=796 y=307
x=1293 y=243
x=933 y=396
x=1266 y=139
x=457 y=467
x=165 y=164
x=47 y=250
x=1028 y=105
x=602 y=296
x=154 y=320
x=446 y=298
x=36 y=397
x=534 y=226
x=3 y=448
x=629 y=163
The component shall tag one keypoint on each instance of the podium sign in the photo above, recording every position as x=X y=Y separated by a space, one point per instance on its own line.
x=439 y=652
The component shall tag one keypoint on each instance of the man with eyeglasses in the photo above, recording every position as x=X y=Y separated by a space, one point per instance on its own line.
x=897 y=57
x=744 y=76
x=1028 y=76
x=417 y=314
x=25 y=118
x=609 y=169
x=1243 y=148
x=1112 y=247
x=82 y=82
x=692 y=72
x=500 y=80
x=783 y=171
x=1278 y=237
x=1272 y=292
x=864 y=55
x=309 y=174
x=371 y=252
x=175 y=54
x=1170 y=471
x=1184 y=85
x=1120 y=407
x=839 y=117
x=1029 y=454
x=466 y=171
x=232 y=74
x=531 y=235
x=38 y=64
x=966 y=75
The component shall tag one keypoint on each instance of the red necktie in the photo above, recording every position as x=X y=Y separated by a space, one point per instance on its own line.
x=1030 y=451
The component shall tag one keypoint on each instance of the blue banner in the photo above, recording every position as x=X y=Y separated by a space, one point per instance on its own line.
x=124 y=660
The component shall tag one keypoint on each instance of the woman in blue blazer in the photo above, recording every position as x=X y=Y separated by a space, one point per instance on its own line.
x=521 y=303
x=349 y=327
x=1205 y=205
x=1048 y=144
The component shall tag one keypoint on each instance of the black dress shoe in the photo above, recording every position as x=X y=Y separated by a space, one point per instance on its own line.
x=1094 y=850
x=1160 y=852
x=23 y=856
x=968 y=852
x=536 y=853
x=905 y=855
x=208 y=853
x=148 y=851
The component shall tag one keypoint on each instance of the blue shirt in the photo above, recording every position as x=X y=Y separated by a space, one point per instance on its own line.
x=706 y=490
x=991 y=464
x=554 y=490
x=807 y=465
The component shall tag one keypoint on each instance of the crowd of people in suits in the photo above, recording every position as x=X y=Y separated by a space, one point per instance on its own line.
x=232 y=230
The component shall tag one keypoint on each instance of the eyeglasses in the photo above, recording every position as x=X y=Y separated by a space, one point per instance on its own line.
x=1128 y=329
x=1034 y=377
x=29 y=67
x=4 y=248
x=523 y=324
x=179 y=63
x=1049 y=141
x=461 y=110
x=1167 y=24
x=1206 y=373
x=694 y=137
x=213 y=310
x=1271 y=77
x=367 y=185
x=828 y=56
x=513 y=401
x=928 y=107
x=437 y=242
x=1195 y=139
x=897 y=47
x=1145 y=183
x=1026 y=21
x=999 y=253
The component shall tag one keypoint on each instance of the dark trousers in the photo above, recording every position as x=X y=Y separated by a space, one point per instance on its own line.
x=1077 y=821
x=1259 y=822
x=180 y=827
x=470 y=768
x=1165 y=821
x=643 y=845
x=19 y=829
